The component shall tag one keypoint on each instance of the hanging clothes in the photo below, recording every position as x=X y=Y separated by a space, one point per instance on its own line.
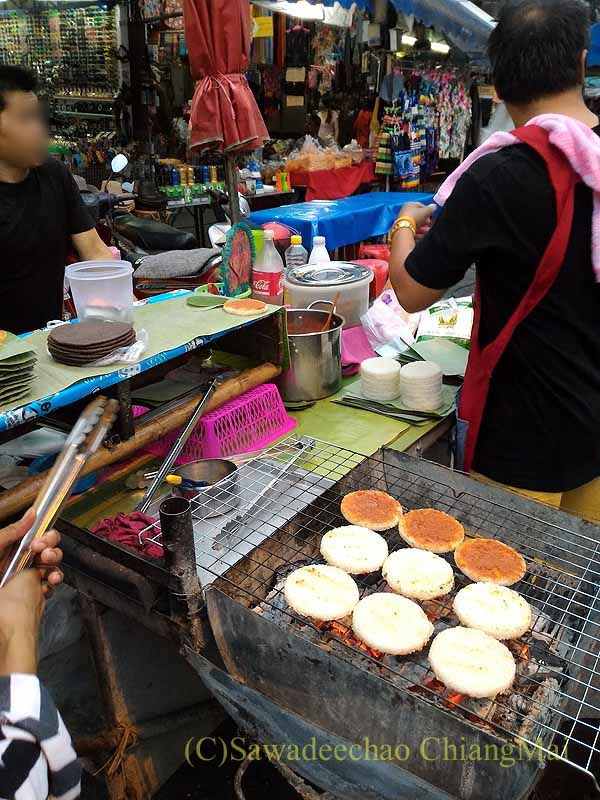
x=392 y=87
x=296 y=48
x=430 y=119
x=384 y=161
x=362 y=127
x=375 y=126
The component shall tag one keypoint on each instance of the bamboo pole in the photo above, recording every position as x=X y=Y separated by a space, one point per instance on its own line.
x=22 y=496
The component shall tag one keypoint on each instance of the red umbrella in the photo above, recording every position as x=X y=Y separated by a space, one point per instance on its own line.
x=224 y=111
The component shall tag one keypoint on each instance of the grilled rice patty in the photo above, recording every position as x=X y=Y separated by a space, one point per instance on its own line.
x=371 y=509
x=321 y=592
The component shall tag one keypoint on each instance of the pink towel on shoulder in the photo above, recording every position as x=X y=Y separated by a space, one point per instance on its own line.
x=578 y=143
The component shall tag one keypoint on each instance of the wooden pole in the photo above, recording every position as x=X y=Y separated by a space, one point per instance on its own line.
x=22 y=496
x=231 y=181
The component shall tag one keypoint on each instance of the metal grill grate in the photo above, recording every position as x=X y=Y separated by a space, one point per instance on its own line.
x=558 y=676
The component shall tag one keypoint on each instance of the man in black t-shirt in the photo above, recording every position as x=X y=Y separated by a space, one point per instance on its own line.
x=41 y=212
x=540 y=431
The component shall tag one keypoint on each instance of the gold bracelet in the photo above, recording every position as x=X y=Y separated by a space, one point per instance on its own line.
x=403 y=222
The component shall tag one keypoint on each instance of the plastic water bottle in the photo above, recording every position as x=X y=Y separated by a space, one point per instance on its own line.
x=254 y=170
x=267 y=274
x=295 y=255
x=319 y=254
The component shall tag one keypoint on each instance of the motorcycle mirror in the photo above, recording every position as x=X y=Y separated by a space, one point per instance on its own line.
x=119 y=163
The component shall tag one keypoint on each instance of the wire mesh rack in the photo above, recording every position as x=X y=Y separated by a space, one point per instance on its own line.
x=271 y=520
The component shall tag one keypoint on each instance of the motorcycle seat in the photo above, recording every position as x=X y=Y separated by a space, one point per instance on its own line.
x=152 y=236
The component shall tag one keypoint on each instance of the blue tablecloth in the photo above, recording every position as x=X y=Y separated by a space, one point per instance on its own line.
x=341 y=222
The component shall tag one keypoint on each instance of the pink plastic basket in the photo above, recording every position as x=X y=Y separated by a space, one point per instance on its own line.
x=247 y=423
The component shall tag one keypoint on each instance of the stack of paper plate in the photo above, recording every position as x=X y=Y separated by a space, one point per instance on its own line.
x=421 y=386
x=380 y=379
x=16 y=372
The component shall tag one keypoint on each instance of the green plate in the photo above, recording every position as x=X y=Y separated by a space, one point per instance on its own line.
x=206 y=300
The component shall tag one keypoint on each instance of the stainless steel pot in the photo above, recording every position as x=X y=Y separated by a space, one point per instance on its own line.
x=316 y=358
x=219 y=496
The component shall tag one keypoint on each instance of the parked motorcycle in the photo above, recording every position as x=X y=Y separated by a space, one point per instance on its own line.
x=140 y=236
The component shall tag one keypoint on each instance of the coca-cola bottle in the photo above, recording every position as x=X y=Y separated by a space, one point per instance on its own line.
x=267 y=274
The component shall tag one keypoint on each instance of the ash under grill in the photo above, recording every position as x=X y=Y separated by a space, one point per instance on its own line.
x=558 y=674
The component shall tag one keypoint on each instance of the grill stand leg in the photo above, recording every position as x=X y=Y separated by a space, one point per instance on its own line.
x=185 y=596
x=122 y=772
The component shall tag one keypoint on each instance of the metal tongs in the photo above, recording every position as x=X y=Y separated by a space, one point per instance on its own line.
x=85 y=438
x=227 y=534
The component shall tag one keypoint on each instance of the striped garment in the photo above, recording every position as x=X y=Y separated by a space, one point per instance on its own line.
x=37 y=759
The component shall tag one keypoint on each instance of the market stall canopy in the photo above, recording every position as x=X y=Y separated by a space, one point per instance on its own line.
x=224 y=111
x=467 y=25
x=362 y=5
x=338 y=13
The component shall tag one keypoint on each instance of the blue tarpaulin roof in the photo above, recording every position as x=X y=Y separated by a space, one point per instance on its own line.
x=361 y=4
x=462 y=21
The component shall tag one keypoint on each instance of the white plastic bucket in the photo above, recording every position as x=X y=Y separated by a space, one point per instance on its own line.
x=102 y=289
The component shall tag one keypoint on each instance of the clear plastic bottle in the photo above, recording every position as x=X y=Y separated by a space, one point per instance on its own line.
x=295 y=255
x=267 y=274
x=319 y=254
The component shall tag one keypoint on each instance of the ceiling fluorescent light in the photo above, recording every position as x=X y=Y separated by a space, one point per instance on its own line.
x=440 y=47
x=408 y=39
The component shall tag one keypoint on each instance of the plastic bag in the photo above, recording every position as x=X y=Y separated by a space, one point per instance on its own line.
x=310 y=146
x=386 y=320
x=451 y=318
x=355 y=151
x=125 y=355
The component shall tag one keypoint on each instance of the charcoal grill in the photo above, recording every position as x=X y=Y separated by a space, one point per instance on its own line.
x=290 y=680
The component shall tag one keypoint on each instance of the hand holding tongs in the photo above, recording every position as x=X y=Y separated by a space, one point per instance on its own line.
x=85 y=438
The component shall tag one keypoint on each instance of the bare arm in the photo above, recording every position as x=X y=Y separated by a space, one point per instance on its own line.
x=411 y=295
x=90 y=246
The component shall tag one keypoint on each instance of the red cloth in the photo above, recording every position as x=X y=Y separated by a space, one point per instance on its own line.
x=333 y=184
x=482 y=363
x=224 y=111
x=125 y=529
